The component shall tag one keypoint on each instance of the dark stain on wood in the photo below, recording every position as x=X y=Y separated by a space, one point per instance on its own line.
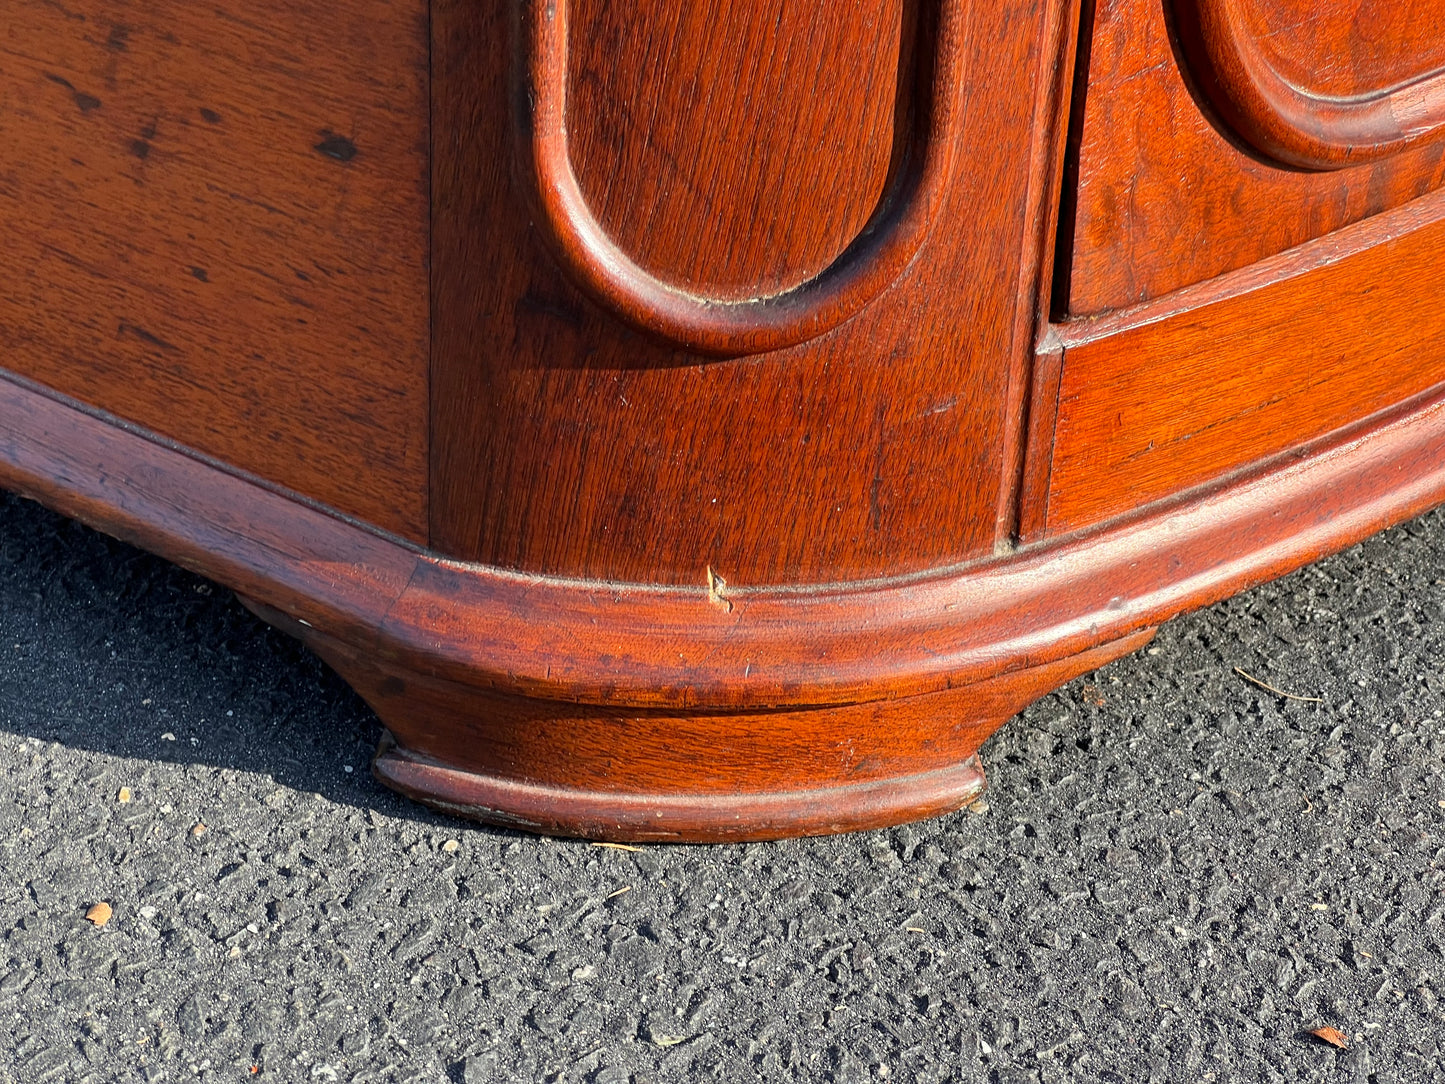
x=213 y=89
x=145 y=336
x=490 y=502
x=85 y=102
x=337 y=147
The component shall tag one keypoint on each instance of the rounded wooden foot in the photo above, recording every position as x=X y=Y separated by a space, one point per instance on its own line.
x=640 y=816
x=762 y=711
x=639 y=773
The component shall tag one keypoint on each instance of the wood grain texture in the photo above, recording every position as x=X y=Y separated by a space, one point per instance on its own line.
x=1320 y=85
x=1178 y=392
x=643 y=818
x=498 y=681
x=661 y=776
x=697 y=157
x=664 y=593
x=760 y=316
x=692 y=776
x=1167 y=196
x=213 y=223
x=568 y=444
x=1359 y=49
x=1033 y=297
x=674 y=649
x=495 y=679
x=1043 y=416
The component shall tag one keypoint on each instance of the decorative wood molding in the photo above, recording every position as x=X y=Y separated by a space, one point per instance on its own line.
x=1223 y=43
x=689 y=818
x=620 y=711
x=635 y=646
x=1246 y=366
x=874 y=260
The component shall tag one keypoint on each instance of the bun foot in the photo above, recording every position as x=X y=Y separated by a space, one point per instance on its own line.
x=640 y=816
x=637 y=772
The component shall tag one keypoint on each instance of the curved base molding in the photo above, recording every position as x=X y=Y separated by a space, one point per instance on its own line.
x=636 y=817
x=667 y=776
x=626 y=712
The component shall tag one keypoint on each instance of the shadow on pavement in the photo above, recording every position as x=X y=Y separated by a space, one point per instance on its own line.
x=108 y=648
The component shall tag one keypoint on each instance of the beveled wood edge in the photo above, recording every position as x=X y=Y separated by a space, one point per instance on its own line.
x=1287 y=123
x=1302 y=259
x=876 y=258
x=1042 y=205
x=621 y=644
x=1043 y=411
x=677 y=818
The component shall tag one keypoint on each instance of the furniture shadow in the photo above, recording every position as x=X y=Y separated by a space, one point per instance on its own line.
x=107 y=648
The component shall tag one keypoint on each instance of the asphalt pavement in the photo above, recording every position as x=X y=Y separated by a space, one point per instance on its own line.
x=1177 y=874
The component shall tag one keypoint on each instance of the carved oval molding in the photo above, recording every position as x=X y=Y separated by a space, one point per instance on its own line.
x=1225 y=43
x=874 y=260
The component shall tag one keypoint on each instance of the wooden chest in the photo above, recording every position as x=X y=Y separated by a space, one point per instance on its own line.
x=704 y=421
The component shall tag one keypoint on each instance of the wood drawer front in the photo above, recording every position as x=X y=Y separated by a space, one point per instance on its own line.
x=1178 y=393
x=1273 y=122
x=213 y=223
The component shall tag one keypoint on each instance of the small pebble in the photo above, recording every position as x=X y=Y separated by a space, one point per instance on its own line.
x=99 y=913
x=124 y=796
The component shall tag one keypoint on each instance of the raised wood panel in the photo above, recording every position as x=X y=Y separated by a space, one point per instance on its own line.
x=1348 y=49
x=696 y=157
x=213 y=224
x=570 y=444
x=1167 y=194
x=1174 y=394
x=757 y=315
x=1320 y=85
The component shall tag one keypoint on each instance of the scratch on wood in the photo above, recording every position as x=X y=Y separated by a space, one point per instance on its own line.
x=716 y=590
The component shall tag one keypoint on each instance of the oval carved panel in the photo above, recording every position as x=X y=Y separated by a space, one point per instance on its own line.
x=736 y=178
x=1320 y=84
x=713 y=143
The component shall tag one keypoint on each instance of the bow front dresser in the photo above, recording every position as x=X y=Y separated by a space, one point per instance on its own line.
x=712 y=419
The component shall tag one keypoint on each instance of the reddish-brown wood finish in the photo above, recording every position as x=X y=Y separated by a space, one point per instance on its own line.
x=1180 y=391
x=1043 y=416
x=450 y=653
x=213 y=224
x=566 y=443
x=1036 y=275
x=668 y=818
x=711 y=422
x=650 y=93
x=758 y=314
x=1168 y=193
x=657 y=774
x=1320 y=85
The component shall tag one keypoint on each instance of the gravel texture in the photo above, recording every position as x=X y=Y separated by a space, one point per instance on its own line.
x=1175 y=876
